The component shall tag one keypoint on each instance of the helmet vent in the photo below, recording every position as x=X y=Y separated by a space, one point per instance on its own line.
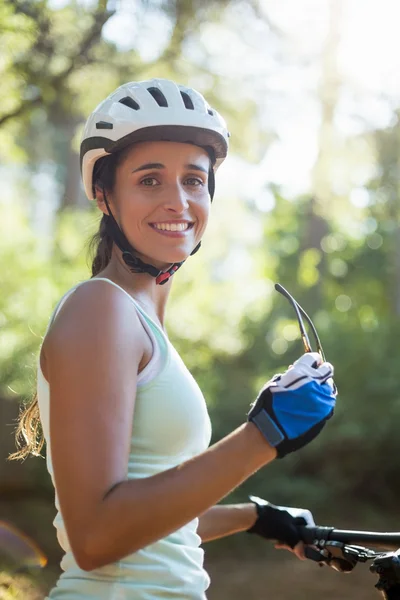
x=130 y=102
x=210 y=112
x=187 y=100
x=104 y=125
x=158 y=96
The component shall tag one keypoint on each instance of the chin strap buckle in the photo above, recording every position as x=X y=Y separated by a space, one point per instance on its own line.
x=164 y=277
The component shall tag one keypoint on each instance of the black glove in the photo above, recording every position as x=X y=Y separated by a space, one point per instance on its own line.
x=279 y=522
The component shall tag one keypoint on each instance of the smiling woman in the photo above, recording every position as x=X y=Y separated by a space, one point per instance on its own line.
x=156 y=201
x=126 y=426
x=153 y=111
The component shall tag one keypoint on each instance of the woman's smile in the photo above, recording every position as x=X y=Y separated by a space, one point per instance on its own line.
x=176 y=228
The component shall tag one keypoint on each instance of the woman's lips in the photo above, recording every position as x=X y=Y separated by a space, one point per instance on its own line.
x=172 y=229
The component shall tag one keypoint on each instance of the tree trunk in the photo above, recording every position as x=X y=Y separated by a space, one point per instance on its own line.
x=322 y=176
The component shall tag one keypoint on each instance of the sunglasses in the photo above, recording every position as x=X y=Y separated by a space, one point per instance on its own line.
x=299 y=312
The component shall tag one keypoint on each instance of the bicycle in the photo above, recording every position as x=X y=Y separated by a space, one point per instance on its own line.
x=342 y=549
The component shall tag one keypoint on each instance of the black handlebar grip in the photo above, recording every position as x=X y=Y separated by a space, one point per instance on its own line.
x=313 y=535
x=307 y=534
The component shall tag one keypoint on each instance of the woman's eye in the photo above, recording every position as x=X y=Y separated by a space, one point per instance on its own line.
x=195 y=181
x=149 y=181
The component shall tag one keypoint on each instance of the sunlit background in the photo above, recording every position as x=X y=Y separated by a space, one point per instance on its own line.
x=308 y=197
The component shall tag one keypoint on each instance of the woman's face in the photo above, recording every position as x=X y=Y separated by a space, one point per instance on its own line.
x=161 y=200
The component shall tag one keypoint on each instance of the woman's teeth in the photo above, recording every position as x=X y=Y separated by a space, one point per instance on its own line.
x=171 y=226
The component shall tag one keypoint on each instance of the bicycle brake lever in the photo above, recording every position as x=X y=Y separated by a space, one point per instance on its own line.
x=315 y=555
x=337 y=556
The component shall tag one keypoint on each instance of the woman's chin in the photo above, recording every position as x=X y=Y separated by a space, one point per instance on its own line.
x=168 y=259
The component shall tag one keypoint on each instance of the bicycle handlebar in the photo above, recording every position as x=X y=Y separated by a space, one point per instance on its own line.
x=316 y=535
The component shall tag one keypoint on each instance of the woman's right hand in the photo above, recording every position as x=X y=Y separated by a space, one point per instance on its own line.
x=291 y=409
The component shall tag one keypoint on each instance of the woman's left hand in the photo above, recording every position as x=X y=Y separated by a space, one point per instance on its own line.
x=298 y=550
x=281 y=523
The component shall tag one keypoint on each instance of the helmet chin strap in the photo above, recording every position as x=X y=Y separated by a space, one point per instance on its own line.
x=133 y=262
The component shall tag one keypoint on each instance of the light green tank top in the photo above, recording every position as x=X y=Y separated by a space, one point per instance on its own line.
x=170 y=425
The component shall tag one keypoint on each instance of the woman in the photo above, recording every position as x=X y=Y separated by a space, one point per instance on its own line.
x=126 y=426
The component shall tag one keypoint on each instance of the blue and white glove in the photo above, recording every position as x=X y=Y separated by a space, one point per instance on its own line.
x=291 y=409
x=279 y=522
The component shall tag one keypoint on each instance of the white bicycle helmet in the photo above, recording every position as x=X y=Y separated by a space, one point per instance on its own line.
x=153 y=110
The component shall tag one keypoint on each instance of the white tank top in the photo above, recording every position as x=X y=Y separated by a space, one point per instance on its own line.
x=170 y=425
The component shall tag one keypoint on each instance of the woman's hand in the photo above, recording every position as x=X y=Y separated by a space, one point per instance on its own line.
x=291 y=409
x=281 y=523
x=298 y=550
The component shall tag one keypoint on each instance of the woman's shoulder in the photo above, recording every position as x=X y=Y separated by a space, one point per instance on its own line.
x=93 y=306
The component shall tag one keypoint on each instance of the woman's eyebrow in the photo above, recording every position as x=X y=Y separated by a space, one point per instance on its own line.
x=196 y=168
x=148 y=166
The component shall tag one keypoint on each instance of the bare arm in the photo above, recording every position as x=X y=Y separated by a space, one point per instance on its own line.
x=92 y=365
x=223 y=520
x=133 y=515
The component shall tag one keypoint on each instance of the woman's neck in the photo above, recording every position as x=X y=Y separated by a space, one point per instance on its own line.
x=141 y=286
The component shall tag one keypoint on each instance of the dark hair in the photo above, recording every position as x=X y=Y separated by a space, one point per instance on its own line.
x=104 y=173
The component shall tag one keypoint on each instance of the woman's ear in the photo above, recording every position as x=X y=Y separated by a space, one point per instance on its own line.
x=100 y=200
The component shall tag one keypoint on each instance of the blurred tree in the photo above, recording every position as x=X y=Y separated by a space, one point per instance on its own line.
x=311 y=275
x=341 y=261
x=385 y=208
x=58 y=65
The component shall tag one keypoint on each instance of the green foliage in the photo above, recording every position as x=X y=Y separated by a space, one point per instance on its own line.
x=235 y=332
x=341 y=262
x=31 y=295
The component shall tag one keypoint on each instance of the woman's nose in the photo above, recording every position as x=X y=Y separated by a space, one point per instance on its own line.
x=176 y=199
